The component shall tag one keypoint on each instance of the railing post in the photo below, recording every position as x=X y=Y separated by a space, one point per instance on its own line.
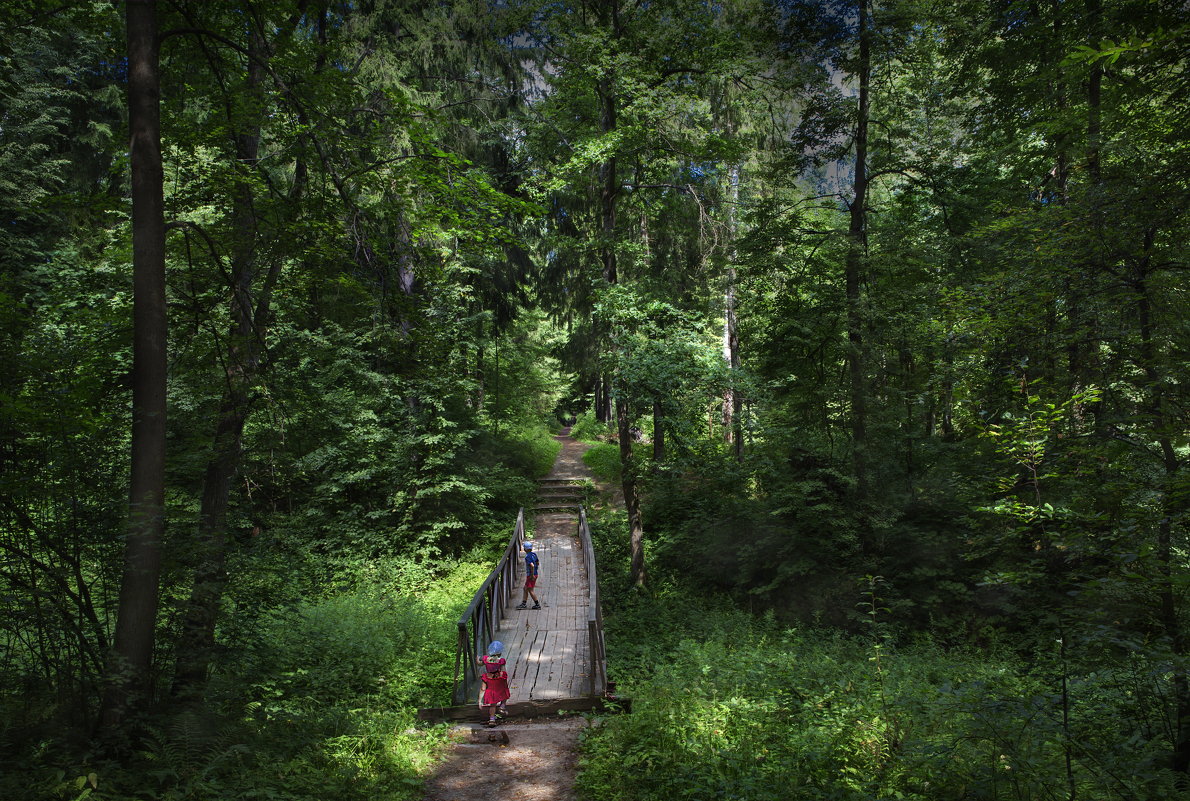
x=595 y=644
x=463 y=659
x=592 y=638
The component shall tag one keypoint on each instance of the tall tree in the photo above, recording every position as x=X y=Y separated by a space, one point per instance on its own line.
x=129 y=687
x=857 y=253
x=251 y=294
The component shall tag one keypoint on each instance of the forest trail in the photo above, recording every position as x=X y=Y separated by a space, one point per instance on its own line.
x=539 y=762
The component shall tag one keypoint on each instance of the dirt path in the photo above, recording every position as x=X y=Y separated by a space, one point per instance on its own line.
x=539 y=762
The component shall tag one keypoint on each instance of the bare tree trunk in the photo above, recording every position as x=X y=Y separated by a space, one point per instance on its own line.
x=1166 y=555
x=631 y=498
x=196 y=648
x=479 y=373
x=128 y=689
x=608 y=171
x=856 y=262
x=658 y=431
x=1086 y=365
x=733 y=428
x=1094 y=94
x=609 y=193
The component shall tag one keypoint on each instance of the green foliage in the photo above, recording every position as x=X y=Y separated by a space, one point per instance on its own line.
x=604 y=461
x=528 y=451
x=728 y=705
x=387 y=633
x=1024 y=439
x=587 y=429
x=312 y=702
x=418 y=322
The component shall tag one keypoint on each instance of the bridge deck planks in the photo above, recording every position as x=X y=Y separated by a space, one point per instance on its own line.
x=547 y=649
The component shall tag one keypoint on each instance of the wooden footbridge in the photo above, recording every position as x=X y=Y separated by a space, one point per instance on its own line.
x=555 y=655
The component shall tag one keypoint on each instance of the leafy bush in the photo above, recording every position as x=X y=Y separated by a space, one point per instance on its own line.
x=390 y=635
x=531 y=450
x=587 y=429
x=320 y=703
x=729 y=706
x=604 y=461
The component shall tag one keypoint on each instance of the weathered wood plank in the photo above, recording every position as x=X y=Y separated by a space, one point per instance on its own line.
x=528 y=709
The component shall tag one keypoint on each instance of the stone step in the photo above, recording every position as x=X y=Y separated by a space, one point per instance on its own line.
x=557 y=507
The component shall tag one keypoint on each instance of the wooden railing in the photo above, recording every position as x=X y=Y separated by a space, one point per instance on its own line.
x=598 y=684
x=478 y=625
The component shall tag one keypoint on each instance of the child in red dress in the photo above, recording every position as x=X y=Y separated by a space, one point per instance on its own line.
x=495 y=682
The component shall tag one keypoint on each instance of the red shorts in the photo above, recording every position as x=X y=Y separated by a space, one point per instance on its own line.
x=530 y=582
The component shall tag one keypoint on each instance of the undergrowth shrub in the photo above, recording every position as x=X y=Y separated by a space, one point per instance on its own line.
x=318 y=701
x=587 y=429
x=604 y=461
x=728 y=705
x=391 y=635
x=532 y=449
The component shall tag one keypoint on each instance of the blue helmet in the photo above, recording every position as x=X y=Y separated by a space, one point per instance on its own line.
x=495 y=647
x=528 y=546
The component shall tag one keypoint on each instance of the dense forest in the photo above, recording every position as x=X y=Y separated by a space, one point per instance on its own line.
x=876 y=311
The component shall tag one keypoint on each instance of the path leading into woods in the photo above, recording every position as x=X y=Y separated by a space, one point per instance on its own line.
x=538 y=763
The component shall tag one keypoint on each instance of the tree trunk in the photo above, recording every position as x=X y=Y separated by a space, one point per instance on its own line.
x=242 y=366
x=658 y=431
x=631 y=498
x=733 y=428
x=1086 y=365
x=1166 y=555
x=609 y=192
x=856 y=260
x=128 y=688
x=608 y=173
x=1094 y=93
x=479 y=375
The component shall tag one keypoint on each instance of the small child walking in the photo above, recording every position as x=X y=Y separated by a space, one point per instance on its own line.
x=495 y=683
x=531 y=566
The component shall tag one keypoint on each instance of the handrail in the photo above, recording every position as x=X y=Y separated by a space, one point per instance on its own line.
x=598 y=673
x=478 y=624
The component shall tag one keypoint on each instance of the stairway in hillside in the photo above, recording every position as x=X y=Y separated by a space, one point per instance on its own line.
x=559 y=495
